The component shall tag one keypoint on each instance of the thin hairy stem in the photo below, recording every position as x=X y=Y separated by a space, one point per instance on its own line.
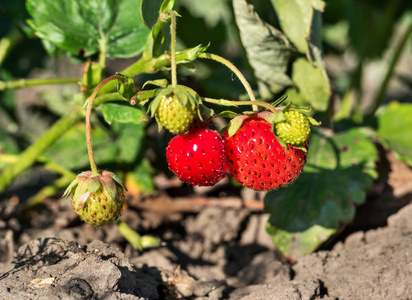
x=225 y=102
x=173 y=48
x=235 y=70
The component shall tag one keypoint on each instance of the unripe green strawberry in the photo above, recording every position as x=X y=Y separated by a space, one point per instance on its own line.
x=295 y=130
x=173 y=116
x=98 y=200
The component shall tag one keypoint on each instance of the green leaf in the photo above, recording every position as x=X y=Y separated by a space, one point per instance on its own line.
x=122 y=113
x=88 y=26
x=312 y=82
x=338 y=171
x=70 y=150
x=227 y=114
x=295 y=18
x=129 y=140
x=142 y=175
x=235 y=124
x=267 y=48
x=394 y=129
x=295 y=244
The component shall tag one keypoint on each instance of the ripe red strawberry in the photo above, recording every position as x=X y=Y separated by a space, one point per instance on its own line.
x=256 y=158
x=198 y=157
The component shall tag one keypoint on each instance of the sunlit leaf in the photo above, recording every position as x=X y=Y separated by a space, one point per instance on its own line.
x=123 y=113
x=70 y=150
x=312 y=83
x=267 y=48
x=296 y=19
x=89 y=26
x=394 y=129
x=129 y=141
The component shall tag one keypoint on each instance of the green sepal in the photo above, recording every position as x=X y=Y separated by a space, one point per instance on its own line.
x=83 y=187
x=227 y=114
x=194 y=52
x=272 y=118
x=301 y=147
x=205 y=112
x=72 y=186
x=94 y=185
x=119 y=182
x=156 y=101
x=287 y=107
x=282 y=143
x=279 y=100
x=109 y=187
x=184 y=97
x=313 y=122
x=249 y=113
x=302 y=109
x=158 y=82
x=146 y=95
x=235 y=124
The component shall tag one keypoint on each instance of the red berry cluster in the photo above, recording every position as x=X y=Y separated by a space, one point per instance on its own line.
x=253 y=156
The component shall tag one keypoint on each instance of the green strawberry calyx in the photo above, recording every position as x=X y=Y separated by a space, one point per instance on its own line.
x=175 y=108
x=86 y=184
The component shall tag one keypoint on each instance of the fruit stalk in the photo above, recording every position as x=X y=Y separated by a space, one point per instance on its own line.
x=225 y=102
x=15 y=84
x=173 y=48
x=88 y=115
x=235 y=70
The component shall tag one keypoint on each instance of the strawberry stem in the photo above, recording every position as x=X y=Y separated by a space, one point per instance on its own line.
x=21 y=83
x=88 y=115
x=235 y=70
x=173 y=48
x=225 y=102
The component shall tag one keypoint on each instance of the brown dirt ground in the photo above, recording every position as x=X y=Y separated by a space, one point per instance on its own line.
x=215 y=247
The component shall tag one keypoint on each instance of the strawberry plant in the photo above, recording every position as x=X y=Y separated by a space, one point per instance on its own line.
x=314 y=176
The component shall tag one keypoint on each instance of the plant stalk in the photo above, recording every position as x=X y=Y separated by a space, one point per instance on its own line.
x=225 y=102
x=173 y=48
x=235 y=70
x=21 y=83
x=88 y=116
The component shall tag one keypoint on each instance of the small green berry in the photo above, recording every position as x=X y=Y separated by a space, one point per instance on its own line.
x=295 y=130
x=98 y=200
x=173 y=116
